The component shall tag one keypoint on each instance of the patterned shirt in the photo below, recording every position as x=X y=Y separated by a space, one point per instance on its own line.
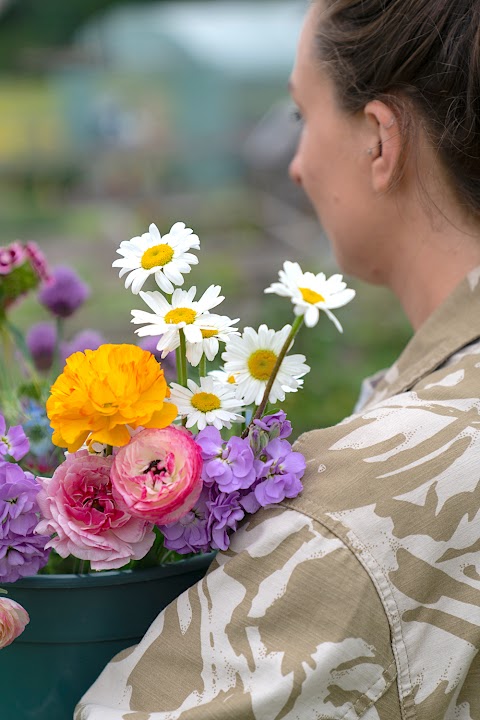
x=361 y=597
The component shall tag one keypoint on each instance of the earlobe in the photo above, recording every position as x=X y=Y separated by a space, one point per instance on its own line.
x=385 y=146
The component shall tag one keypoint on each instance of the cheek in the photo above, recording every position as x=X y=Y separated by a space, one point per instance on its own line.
x=324 y=163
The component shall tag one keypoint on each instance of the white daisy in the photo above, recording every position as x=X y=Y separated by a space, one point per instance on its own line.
x=214 y=328
x=222 y=377
x=311 y=293
x=251 y=359
x=167 y=258
x=210 y=403
x=182 y=312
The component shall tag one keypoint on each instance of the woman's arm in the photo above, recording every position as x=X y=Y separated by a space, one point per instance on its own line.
x=287 y=624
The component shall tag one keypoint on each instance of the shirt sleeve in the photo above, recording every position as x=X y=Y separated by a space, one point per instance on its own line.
x=286 y=625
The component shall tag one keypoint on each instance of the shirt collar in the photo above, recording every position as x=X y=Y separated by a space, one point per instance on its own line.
x=452 y=326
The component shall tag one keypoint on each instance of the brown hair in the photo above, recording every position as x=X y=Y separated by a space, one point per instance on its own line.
x=415 y=54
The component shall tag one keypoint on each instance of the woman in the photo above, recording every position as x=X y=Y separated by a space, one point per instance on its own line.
x=360 y=598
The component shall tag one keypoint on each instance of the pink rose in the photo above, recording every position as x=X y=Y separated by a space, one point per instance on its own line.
x=77 y=504
x=13 y=618
x=158 y=474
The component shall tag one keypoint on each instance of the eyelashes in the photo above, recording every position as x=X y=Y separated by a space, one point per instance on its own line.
x=296 y=115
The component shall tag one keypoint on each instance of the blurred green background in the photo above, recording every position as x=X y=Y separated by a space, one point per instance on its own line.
x=115 y=114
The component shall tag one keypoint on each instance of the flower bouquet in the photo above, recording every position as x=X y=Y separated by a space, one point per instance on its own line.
x=156 y=471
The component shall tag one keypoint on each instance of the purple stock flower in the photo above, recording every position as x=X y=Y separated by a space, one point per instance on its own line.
x=83 y=340
x=41 y=340
x=190 y=533
x=281 y=474
x=208 y=525
x=224 y=513
x=22 y=555
x=14 y=442
x=234 y=469
x=210 y=441
x=276 y=425
x=18 y=498
x=65 y=293
x=22 y=552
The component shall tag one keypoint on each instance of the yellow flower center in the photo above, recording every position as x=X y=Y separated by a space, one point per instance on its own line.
x=261 y=364
x=178 y=315
x=156 y=256
x=205 y=402
x=311 y=296
x=209 y=333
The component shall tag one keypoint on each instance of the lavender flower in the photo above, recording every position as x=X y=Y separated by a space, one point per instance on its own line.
x=65 y=294
x=224 y=514
x=41 y=340
x=190 y=533
x=14 y=442
x=84 y=340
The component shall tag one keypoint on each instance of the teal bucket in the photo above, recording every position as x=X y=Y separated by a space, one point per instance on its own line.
x=77 y=624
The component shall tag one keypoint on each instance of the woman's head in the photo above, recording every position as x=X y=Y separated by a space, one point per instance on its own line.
x=422 y=55
x=409 y=71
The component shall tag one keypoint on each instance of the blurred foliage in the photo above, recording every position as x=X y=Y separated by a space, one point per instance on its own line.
x=238 y=254
x=44 y=23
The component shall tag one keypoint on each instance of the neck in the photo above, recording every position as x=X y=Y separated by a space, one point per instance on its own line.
x=431 y=261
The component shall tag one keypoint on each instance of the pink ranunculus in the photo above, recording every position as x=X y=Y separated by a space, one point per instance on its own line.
x=77 y=504
x=158 y=474
x=13 y=618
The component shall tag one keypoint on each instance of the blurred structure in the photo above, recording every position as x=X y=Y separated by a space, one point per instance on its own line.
x=160 y=93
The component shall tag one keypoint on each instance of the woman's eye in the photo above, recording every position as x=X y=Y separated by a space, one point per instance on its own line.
x=297 y=115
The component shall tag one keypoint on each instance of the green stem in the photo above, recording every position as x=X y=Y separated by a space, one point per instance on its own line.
x=178 y=353
x=9 y=379
x=297 y=323
x=183 y=359
x=202 y=368
x=56 y=365
x=182 y=364
x=164 y=558
x=79 y=567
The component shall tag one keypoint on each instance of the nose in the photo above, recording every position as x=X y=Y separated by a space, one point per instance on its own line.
x=294 y=170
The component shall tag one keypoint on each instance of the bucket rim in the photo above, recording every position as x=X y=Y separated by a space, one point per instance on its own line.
x=115 y=577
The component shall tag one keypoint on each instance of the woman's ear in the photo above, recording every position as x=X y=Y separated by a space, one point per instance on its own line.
x=385 y=144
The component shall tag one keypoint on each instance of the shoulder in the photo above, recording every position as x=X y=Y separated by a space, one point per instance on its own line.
x=399 y=484
x=396 y=444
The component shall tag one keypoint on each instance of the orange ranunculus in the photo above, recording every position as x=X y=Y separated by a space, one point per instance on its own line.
x=102 y=391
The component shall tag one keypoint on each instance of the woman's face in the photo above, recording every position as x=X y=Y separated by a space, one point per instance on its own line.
x=332 y=164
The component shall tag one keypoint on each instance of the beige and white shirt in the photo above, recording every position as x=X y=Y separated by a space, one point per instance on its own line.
x=361 y=597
